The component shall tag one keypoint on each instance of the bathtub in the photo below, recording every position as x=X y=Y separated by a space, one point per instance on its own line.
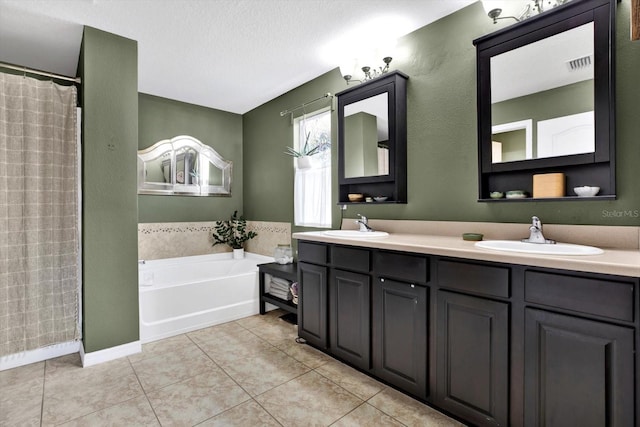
x=179 y=295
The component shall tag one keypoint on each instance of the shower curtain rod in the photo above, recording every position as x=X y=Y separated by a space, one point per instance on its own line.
x=291 y=110
x=41 y=73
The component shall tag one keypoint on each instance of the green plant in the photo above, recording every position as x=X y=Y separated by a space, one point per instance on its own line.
x=232 y=232
x=306 y=150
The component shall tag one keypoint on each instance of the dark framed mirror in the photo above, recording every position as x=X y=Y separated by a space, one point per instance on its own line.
x=546 y=100
x=372 y=140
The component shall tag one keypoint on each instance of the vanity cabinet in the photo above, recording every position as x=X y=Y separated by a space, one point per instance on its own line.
x=579 y=363
x=349 y=317
x=492 y=344
x=472 y=341
x=400 y=335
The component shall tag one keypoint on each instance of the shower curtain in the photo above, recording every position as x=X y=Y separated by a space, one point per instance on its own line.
x=39 y=219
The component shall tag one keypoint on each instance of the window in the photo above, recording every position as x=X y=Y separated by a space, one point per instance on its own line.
x=312 y=187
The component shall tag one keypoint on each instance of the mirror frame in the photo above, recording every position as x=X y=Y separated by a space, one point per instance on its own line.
x=560 y=19
x=393 y=184
x=167 y=148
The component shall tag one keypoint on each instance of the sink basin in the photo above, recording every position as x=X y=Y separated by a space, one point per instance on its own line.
x=538 y=248
x=355 y=234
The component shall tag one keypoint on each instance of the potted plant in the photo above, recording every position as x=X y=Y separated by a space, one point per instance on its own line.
x=304 y=155
x=233 y=233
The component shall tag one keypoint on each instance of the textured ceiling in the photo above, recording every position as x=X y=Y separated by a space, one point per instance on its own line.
x=233 y=55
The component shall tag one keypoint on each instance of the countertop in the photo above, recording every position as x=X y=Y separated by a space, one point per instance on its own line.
x=623 y=262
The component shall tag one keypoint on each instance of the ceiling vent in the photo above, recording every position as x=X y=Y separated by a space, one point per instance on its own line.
x=581 y=63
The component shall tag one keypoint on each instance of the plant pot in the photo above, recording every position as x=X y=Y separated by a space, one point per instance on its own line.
x=304 y=162
x=238 y=253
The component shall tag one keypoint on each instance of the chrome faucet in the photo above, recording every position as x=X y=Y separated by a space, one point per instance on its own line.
x=536 y=235
x=364 y=223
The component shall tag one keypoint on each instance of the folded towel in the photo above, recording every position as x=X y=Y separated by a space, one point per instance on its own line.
x=281 y=281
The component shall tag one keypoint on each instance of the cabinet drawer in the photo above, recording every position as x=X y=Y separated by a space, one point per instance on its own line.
x=474 y=278
x=412 y=268
x=599 y=297
x=313 y=252
x=351 y=258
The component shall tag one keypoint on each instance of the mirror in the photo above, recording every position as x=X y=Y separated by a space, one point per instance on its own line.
x=545 y=89
x=542 y=98
x=366 y=137
x=372 y=140
x=183 y=166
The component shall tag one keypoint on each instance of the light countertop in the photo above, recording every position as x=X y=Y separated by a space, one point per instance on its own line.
x=623 y=262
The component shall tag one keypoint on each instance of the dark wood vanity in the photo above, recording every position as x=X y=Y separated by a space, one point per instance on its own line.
x=493 y=344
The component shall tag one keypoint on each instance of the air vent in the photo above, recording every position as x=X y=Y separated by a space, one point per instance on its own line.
x=579 y=63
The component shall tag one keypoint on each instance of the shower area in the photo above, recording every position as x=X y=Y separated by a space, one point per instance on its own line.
x=40 y=252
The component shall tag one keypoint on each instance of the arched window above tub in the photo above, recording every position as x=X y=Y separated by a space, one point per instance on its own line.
x=183 y=166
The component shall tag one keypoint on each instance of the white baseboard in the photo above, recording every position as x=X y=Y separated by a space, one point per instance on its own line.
x=38 y=355
x=108 y=354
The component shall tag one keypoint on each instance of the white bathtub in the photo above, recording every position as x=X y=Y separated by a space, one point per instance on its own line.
x=179 y=295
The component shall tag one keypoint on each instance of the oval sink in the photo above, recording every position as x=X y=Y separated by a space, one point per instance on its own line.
x=539 y=248
x=355 y=234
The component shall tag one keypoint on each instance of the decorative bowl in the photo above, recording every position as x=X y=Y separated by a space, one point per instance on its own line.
x=496 y=194
x=380 y=198
x=586 y=191
x=355 y=197
x=517 y=194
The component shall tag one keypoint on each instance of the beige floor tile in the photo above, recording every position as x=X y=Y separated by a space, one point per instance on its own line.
x=134 y=412
x=409 y=411
x=367 y=415
x=240 y=345
x=350 y=379
x=309 y=400
x=70 y=368
x=21 y=400
x=263 y=371
x=21 y=374
x=302 y=352
x=216 y=333
x=157 y=348
x=244 y=415
x=171 y=367
x=70 y=396
x=276 y=331
x=194 y=400
x=260 y=319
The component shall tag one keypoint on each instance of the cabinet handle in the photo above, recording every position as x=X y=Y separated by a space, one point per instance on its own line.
x=382 y=279
x=413 y=286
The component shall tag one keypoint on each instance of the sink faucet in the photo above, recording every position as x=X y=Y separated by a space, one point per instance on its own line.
x=536 y=232
x=364 y=223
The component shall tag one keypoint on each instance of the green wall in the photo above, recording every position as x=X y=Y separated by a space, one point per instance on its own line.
x=161 y=118
x=108 y=67
x=441 y=136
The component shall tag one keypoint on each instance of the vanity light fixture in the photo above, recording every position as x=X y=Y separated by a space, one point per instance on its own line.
x=531 y=8
x=370 y=73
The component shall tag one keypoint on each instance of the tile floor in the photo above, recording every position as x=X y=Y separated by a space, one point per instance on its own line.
x=249 y=372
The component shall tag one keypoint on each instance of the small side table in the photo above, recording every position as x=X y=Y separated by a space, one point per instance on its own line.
x=285 y=271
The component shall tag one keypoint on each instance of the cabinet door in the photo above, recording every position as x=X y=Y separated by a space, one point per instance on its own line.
x=473 y=358
x=400 y=335
x=312 y=304
x=578 y=372
x=350 y=327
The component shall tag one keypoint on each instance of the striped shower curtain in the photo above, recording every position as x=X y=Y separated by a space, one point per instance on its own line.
x=39 y=219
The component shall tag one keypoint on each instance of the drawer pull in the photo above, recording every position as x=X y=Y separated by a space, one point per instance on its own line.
x=382 y=279
x=413 y=286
